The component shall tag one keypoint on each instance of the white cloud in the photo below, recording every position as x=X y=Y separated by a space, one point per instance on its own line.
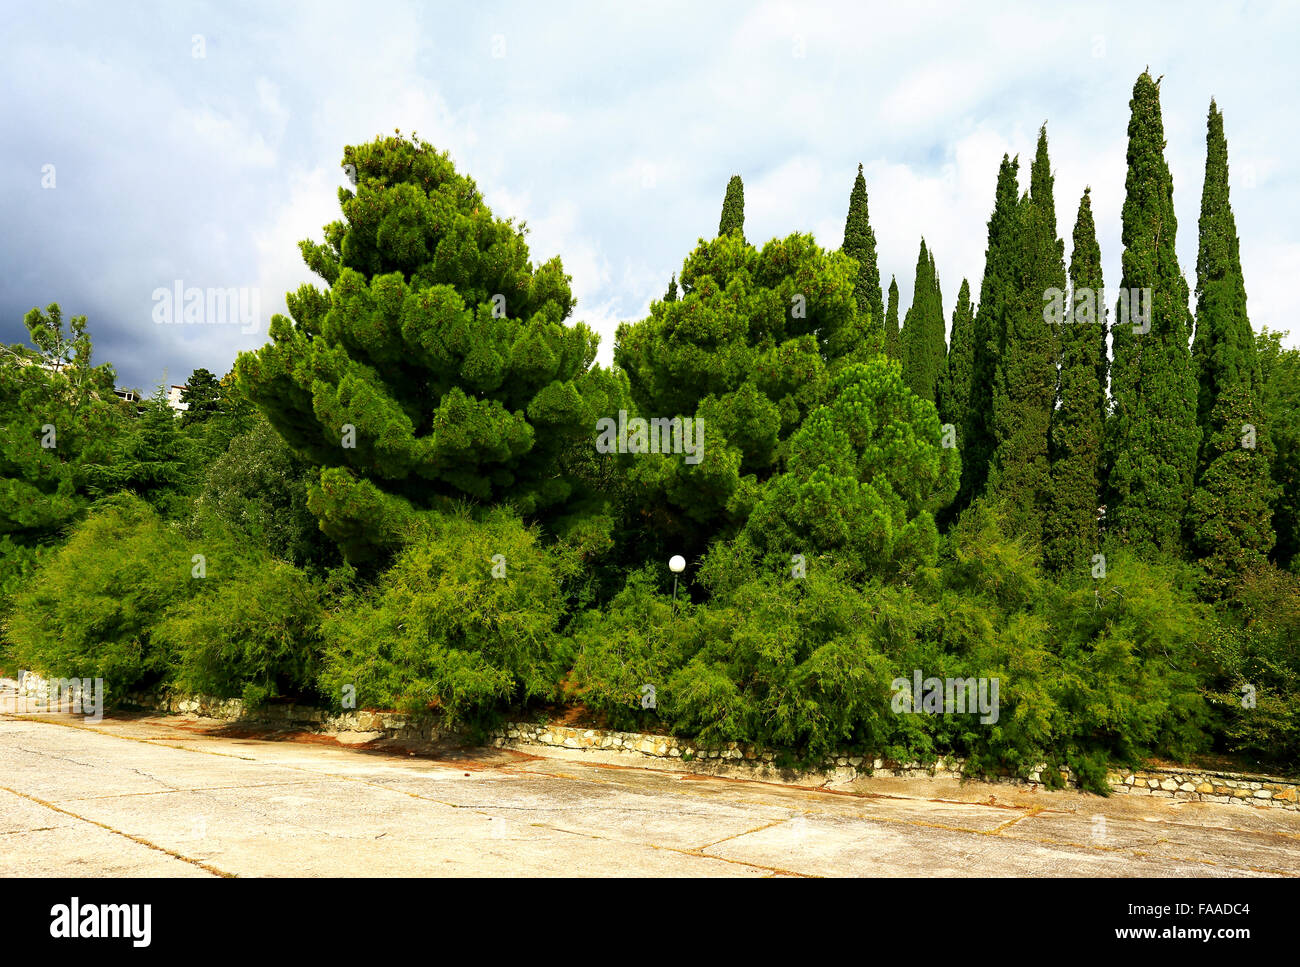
x=564 y=129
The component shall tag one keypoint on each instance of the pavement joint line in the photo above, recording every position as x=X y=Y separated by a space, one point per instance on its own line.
x=207 y=867
x=38 y=829
x=197 y=790
x=1031 y=810
x=746 y=832
x=698 y=854
x=117 y=735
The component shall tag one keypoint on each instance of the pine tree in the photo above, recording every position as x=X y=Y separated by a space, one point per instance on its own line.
x=202 y=397
x=1151 y=437
x=1024 y=383
x=1230 y=518
x=733 y=208
x=1079 y=420
x=922 y=339
x=436 y=368
x=749 y=375
x=672 y=289
x=976 y=431
x=892 y=348
x=860 y=243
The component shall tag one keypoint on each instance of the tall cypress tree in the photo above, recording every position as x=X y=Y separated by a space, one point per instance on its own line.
x=1024 y=383
x=892 y=348
x=733 y=208
x=1079 y=419
x=954 y=391
x=860 y=243
x=1151 y=437
x=976 y=430
x=939 y=330
x=922 y=338
x=1230 y=518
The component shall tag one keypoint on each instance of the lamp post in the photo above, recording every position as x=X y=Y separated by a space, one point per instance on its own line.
x=676 y=564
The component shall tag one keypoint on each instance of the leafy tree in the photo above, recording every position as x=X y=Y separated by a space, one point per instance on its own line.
x=58 y=414
x=860 y=244
x=437 y=367
x=1024 y=382
x=58 y=417
x=808 y=664
x=924 y=349
x=672 y=289
x=1253 y=652
x=254 y=635
x=642 y=637
x=1230 y=516
x=733 y=209
x=138 y=602
x=865 y=475
x=1078 y=421
x=1151 y=435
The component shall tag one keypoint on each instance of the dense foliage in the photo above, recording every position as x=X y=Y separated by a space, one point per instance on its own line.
x=406 y=500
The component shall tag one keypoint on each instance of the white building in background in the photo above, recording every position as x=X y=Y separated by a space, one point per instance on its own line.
x=174 y=399
x=129 y=395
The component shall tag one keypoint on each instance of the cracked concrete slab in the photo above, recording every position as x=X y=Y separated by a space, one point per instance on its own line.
x=181 y=796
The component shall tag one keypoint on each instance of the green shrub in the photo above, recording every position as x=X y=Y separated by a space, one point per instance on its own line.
x=91 y=608
x=254 y=634
x=640 y=639
x=440 y=630
x=1255 y=652
x=1086 y=676
x=138 y=601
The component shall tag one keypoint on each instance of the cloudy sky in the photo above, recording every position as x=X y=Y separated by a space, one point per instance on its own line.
x=200 y=142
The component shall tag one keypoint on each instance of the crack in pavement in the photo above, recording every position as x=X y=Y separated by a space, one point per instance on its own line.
x=135 y=839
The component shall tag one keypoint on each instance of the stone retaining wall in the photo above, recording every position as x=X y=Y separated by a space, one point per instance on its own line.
x=366 y=726
x=1204 y=786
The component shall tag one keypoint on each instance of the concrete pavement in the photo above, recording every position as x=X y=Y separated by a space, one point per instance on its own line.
x=180 y=796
